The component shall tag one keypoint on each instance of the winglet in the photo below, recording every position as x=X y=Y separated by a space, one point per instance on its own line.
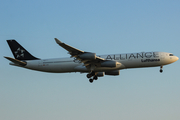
x=58 y=41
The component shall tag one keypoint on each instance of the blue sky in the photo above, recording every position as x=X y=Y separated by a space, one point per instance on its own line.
x=99 y=26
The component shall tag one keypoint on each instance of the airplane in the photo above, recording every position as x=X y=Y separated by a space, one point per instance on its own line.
x=87 y=62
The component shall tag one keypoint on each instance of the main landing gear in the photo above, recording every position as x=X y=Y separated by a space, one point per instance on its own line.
x=92 y=74
x=161 y=69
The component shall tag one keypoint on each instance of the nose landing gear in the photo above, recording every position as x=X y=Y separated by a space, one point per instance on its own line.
x=161 y=69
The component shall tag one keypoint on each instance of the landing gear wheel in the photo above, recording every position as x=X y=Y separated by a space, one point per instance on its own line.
x=88 y=75
x=161 y=69
x=95 y=77
x=91 y=80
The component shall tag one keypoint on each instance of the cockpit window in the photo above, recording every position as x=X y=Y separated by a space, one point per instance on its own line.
x=171 y=55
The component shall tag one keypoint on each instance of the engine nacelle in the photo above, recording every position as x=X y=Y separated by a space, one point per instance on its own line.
x=115 y=72
x=109 y=64
x=100 y=74
x=89 y=56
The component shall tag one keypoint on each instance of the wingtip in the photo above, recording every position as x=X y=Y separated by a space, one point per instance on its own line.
x=57 y=41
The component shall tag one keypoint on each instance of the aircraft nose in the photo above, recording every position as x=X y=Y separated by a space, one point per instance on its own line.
x=174 y=59
x=177 y=58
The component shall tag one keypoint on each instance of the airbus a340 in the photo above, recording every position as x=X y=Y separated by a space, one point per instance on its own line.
x=86 y=62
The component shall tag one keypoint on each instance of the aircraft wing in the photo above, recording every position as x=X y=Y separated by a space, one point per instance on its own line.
x=87 y=58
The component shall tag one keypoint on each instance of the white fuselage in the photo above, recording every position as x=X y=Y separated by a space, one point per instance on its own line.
x=131 y=60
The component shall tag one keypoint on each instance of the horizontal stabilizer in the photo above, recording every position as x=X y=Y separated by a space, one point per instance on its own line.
x=16 y=61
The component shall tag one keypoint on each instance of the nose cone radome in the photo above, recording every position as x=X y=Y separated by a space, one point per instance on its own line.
x=174 y=59
x=177 y=58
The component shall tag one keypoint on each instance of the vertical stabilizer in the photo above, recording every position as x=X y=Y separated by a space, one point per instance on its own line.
x=19 y=52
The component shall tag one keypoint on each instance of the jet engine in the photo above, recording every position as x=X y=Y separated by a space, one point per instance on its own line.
x=109 y=64
x=115 y=72
x=100 y=74
x=89 y=56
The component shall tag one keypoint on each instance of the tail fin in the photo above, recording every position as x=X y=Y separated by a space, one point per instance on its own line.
x=19 y=52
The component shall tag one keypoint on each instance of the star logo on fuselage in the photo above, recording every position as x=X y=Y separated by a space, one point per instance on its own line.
x=19 y=53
